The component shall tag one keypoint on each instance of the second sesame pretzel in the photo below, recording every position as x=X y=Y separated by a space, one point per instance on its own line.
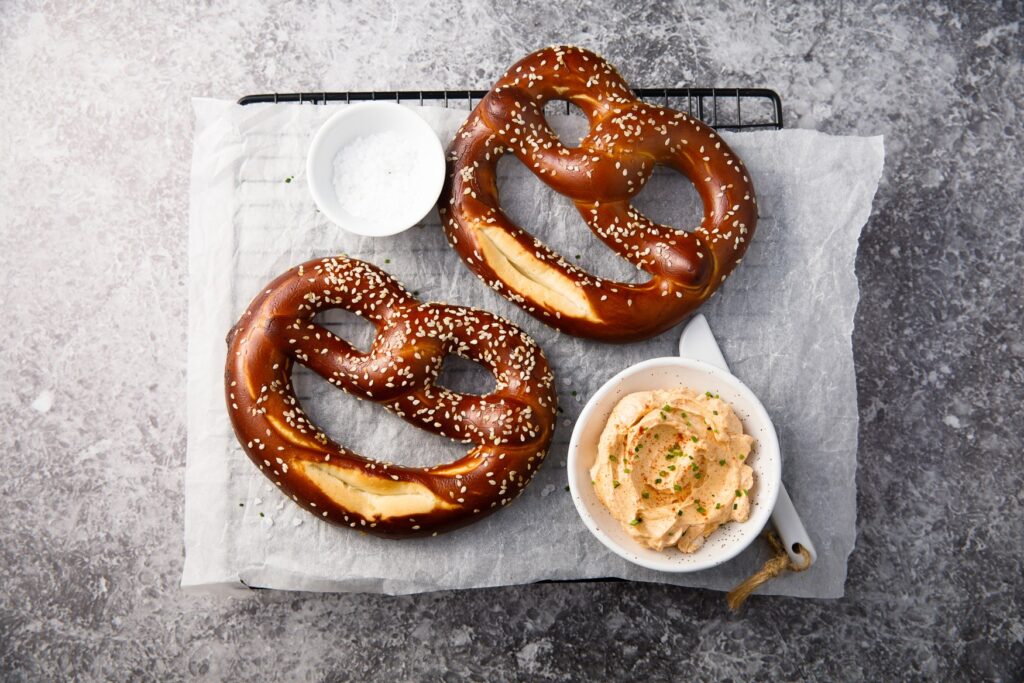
x=509 y=429
x=628 y=138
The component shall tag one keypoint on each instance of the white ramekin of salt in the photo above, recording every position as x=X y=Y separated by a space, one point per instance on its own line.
x=375 y=168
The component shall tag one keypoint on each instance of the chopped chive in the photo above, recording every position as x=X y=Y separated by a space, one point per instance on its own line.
x=677 y=487
x=635 y=521
x=721 y=462
x=387 y=260
x=616 y=484
x=714 y=412
x=672 y=468
x=658 y=480
x=613 y=458
x=566 y=488
x=645 y=494
x=693 y=439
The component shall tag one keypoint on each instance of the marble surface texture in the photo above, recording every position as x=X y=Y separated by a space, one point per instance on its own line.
x=95 y=138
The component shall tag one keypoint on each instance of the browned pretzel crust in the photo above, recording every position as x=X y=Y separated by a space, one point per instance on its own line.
x=627 y=139
x=510 y=428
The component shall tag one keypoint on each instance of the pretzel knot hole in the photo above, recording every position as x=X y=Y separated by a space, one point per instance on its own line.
x=570 y=127
x=671 y=200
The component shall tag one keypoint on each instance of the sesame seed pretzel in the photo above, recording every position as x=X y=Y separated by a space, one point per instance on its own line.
x=627 y=139
x=510 y=428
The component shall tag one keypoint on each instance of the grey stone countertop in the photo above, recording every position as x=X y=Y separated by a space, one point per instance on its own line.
x=95 y=142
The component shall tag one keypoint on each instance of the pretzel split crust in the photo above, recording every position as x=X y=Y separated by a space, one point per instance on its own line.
x=628 y=138
x=509 y=429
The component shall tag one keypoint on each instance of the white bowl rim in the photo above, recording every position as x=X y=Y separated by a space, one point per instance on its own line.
x=753 y=525
x=417 y=125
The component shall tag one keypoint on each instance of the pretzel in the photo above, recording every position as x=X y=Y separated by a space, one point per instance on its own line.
x=627 y=139
x=510 y=428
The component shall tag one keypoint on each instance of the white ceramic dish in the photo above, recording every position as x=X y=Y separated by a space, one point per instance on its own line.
x=667 y=373
x=361 y=120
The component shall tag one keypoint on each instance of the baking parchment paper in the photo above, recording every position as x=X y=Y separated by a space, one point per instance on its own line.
x=784 y=321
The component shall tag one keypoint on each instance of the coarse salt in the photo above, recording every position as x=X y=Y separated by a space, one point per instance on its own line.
x=373 y=173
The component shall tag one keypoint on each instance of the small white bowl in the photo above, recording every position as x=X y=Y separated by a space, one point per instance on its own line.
x=669 y=373
x=360 y=120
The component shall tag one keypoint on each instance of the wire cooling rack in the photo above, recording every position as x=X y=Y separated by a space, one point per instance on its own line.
x=722 y=108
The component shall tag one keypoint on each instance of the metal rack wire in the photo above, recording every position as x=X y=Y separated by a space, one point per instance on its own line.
x=721 y=108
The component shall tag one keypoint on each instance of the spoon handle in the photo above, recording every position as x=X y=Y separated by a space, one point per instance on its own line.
x=698 y=342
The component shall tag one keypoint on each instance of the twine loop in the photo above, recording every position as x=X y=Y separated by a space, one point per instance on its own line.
x=781 y=562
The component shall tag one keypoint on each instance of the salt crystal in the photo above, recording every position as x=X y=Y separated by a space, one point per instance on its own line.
x=43 y=402
x=373 y=173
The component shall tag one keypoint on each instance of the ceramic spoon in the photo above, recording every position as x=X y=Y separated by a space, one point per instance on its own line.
x=699 y=343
